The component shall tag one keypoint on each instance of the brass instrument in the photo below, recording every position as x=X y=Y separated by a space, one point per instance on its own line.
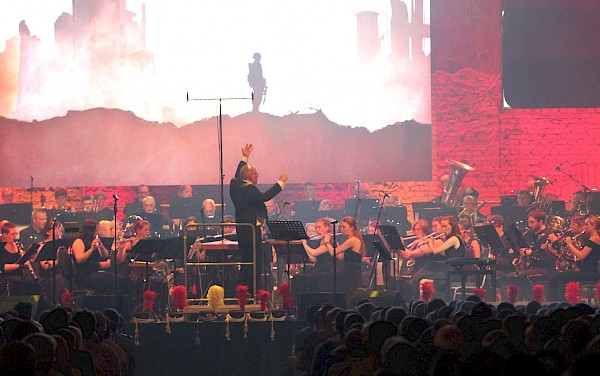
x=559 y=249
x=27 y=264
x=459 y=170
x=542 y=201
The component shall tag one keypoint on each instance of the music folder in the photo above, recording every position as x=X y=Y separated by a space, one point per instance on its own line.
x=49 y=249
x=516 y=237
x=31 y=251
x=489 y=237
x=392 y=237
x=383 y=252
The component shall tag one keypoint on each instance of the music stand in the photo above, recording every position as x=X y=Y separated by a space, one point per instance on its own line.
x=368 y=239
x=144 y=251
x=288 y=231
x=489 y=238
x=306 y=211
x=362 y=208
x=48 y=252
x=183 y=207
x=392 y=237
x=383 y=252
x=17 y=213
x=28 y=255
x=71 y=230
x=516 y=238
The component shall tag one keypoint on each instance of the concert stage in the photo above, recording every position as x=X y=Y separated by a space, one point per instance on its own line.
x=203 y=349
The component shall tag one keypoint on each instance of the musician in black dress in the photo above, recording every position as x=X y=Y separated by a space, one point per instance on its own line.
x=91 y=258
x=348 y=259
x=15 y=279
x=452 y=247
x=249 y=203
x=587 y=263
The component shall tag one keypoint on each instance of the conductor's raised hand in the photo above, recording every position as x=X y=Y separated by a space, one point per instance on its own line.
x=283 y=177
x=246 y=150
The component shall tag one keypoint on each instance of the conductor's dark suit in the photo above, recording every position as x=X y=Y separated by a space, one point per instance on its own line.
x=249 y=203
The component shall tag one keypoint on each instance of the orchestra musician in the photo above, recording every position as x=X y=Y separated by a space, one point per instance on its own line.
x=535 y=260
x=15 y=279
x=91 y=258
x=453 y=246
x=588 y=258
x=349 y=255
x=53 y=230
x=414 y=254
x=471 y=210
x=504 y=257
x=34 y=233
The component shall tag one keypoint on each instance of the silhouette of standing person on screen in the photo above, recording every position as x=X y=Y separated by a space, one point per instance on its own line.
x=257 y=82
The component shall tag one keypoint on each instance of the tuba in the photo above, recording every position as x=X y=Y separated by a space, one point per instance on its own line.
x=459 y=170
x=539 y=183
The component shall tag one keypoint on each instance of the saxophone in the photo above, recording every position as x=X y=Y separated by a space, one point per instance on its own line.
x=27 y=264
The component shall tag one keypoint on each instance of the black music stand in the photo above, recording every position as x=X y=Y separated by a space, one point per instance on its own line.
x=307 y=211
x=17 y=213
x=28 y=255
x=183 y=207
x=288 y=231
x=362 y=209
x=48 y=252
x=516 y=238
x=145 y=251
x=489 y=238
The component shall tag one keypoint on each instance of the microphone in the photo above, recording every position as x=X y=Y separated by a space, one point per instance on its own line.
x=187 y=96
x=333 y=222
x=385 y=194
x=358 y=181
x=116 y=197
x=558 y=167
x=53 y=223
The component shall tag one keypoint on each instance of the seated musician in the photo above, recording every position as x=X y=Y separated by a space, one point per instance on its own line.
x=90 y=258
x=504 y=257
x=45 y=268
x=103 y=211
x=452 y=247
x=60 y=196
x=470 y=210
x=415 y=252
x=106 y=230
x=587 y=256
x=158 y=222
x=536 y=260
x=348 y=256
x=15 y=279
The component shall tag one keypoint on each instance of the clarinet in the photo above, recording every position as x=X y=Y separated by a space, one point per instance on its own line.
x=28 y=265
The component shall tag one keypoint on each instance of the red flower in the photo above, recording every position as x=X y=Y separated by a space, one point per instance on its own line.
x=242 y=295
x=149 y=297
x=572 y=290
x=179 y=297
x=513 y=293
x=427 y=291
x=285 y=297
x=263 y=297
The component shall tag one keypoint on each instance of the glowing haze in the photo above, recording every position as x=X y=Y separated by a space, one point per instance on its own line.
x=309 y=59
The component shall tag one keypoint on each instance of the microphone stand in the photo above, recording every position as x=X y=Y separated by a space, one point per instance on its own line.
x=220 y=141
x=586 y=189
x=53 y=263
x=334 y=245
x=116 y=251
x=377 y=255
x=357 y=201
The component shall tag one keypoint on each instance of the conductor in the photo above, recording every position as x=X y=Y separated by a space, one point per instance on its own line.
x=249 y=204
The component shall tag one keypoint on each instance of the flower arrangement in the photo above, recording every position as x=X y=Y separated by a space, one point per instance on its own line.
x=242 y=296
